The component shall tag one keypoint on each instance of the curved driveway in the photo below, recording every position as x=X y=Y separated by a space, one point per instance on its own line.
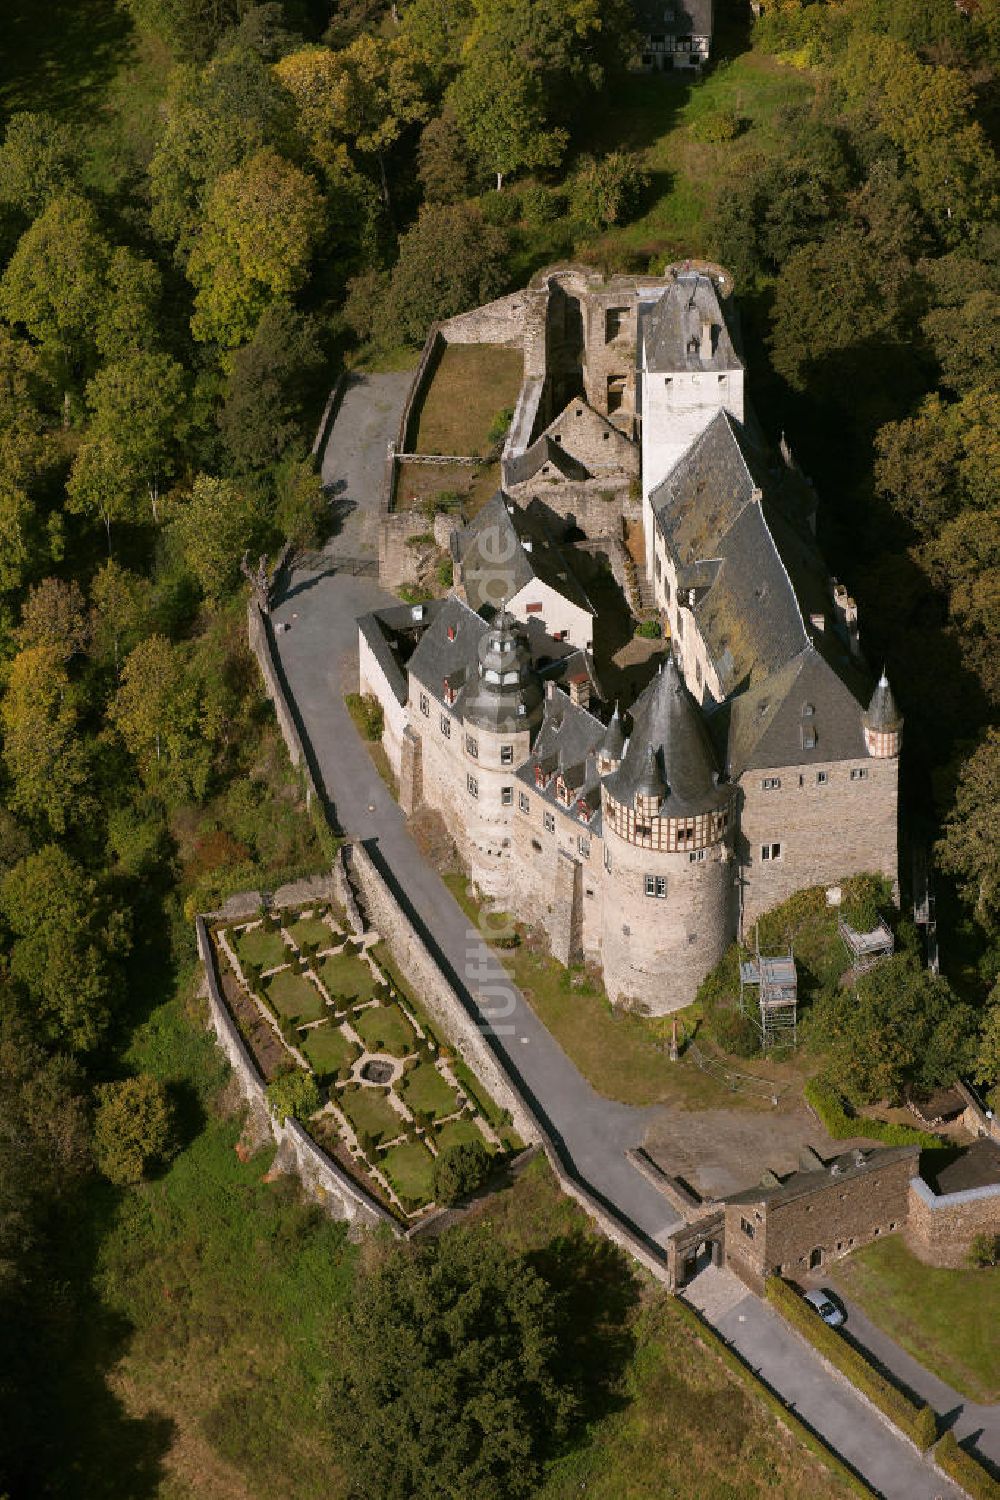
x=318 y=653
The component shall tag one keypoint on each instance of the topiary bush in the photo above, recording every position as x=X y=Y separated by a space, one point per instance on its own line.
x=460 y=1170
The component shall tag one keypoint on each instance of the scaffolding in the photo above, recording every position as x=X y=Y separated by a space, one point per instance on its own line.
x=866 y=948
x=777 y=1000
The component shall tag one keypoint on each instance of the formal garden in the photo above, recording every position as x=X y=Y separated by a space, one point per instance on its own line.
x=345 y=1049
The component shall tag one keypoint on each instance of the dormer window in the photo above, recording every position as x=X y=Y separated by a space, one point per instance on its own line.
x=584 y=810
x=808 y=737
x=509 y=679
x=808 y=710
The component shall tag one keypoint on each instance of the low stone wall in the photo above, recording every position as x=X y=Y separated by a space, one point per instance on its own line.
x=940 y=1227
x=321 y=1176
x=398 y=561
x=258 y=631
x=248 y=904
x=498 y=322
x=446 y=1005
x=596 y=506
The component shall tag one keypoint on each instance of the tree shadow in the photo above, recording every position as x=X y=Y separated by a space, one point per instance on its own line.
x=61 y=57
x=595 y=1294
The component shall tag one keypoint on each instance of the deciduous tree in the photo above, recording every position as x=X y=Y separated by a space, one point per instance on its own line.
x=161 y=716
x=39 y=160
x=132 y=1124
x=43 y=749
x=216 y=524
x=969 y=847
x=55 y=282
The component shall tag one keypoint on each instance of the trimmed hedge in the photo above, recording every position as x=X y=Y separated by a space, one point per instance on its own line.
x=917 y=1422
x=713 y=1342
x=830 y=1107
x=965 y=1470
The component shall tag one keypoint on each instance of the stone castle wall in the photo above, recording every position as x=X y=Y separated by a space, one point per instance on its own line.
x=657 y=951
x=941 y=1227
x=499 y=322
x=826 y=831
x=437 y=994
x=594 y=506
x=838 y=1217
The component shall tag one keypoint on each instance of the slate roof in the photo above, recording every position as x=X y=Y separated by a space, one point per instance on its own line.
x=393 y=635
x=503 y=550
x=668 y=726
x=676 y=320
x=722 y=534
x=804 y=1183
x=567 y=744
x=544 y=450
x=882 y=712
x=674 y=17
x=769 y=725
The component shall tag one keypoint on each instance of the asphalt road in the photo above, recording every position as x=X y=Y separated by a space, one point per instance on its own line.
x=829 y=1406
x=353 y=465
x=319 y=655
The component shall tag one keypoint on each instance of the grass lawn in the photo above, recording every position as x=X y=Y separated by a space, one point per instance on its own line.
x=369 y=1110
x=418 y=483
x=472 y=384
x=268 y=949
x=347 y=974
x=623 y=1056
x=424 y=1089
x=328 y=1049
x=295 y=997
x=410 y=1169
x=385 y=1029
x=458 y=1133
x=312 y=930
x=947 y=1320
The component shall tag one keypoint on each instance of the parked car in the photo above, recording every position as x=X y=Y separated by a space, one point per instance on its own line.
x=829 y=1310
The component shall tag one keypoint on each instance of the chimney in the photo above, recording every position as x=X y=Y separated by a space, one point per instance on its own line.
x=706 y=339
x=579 y=690
x=550 y=690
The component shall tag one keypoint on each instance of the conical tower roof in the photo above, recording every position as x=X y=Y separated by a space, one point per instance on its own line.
x=508 y=694
x=882 y=713
x=669 y=754
x=614 y=738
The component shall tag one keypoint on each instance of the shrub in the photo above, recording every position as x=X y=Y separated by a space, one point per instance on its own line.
x=366 y=711
x=420 y=539
x=414 y=593
x=540 y=205
x=252 y=973
x=735 y=1032
x=368 y=1143
x=649 y=630
x=500 y=425
x=862 y=896
x=131 y=1127
x=917 y=1422
x=984 y=1250
x=460 y=1170
x=965 y=1470
x=501 y=209
x=831 y=1107
x=294 y=1094
x=446 y=572
x=724 y=125
x=608 y=191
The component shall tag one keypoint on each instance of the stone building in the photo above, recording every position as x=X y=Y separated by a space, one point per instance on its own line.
x=759 y=759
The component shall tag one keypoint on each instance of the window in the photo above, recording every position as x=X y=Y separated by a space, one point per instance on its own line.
x=536 y=846
x=656 y=886
x=523 y=802
x=614 y=323
x=506 y=755
x=770 y=783
x=697 y=673
x=808 y=738
x=446 y=726
x=658 y=567
x=807 y=710
x=425 y=707
x=821 y=778
x=583 y=844
x=550 y=822
x=473 y=786
x=616 y=393
x=607 y=859
x=770 y=851
x=506 y=796
x=472 y=745
x=532 y=609
x=747 y=1228
x=859 y=773
x=696 y=857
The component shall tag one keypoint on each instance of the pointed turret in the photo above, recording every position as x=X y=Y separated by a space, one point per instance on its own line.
x=610 y=751
x=882 y=722
x=669 y=758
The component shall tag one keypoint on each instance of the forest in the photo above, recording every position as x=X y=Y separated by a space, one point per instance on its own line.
x=207 y=210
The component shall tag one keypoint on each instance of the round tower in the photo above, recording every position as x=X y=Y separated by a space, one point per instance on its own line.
x=669 y=893
x=883 y=723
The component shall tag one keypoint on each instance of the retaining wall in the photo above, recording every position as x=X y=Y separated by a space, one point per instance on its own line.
x=258 y=631
x=940 y=1227
x=323 y=1178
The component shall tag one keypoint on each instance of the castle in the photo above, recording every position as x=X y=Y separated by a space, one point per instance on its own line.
x=759 y=759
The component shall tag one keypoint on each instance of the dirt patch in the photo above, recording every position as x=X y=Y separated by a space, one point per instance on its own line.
x=430 y=834
x=473 y=484
x=720 y=1151
x=271 y=1056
